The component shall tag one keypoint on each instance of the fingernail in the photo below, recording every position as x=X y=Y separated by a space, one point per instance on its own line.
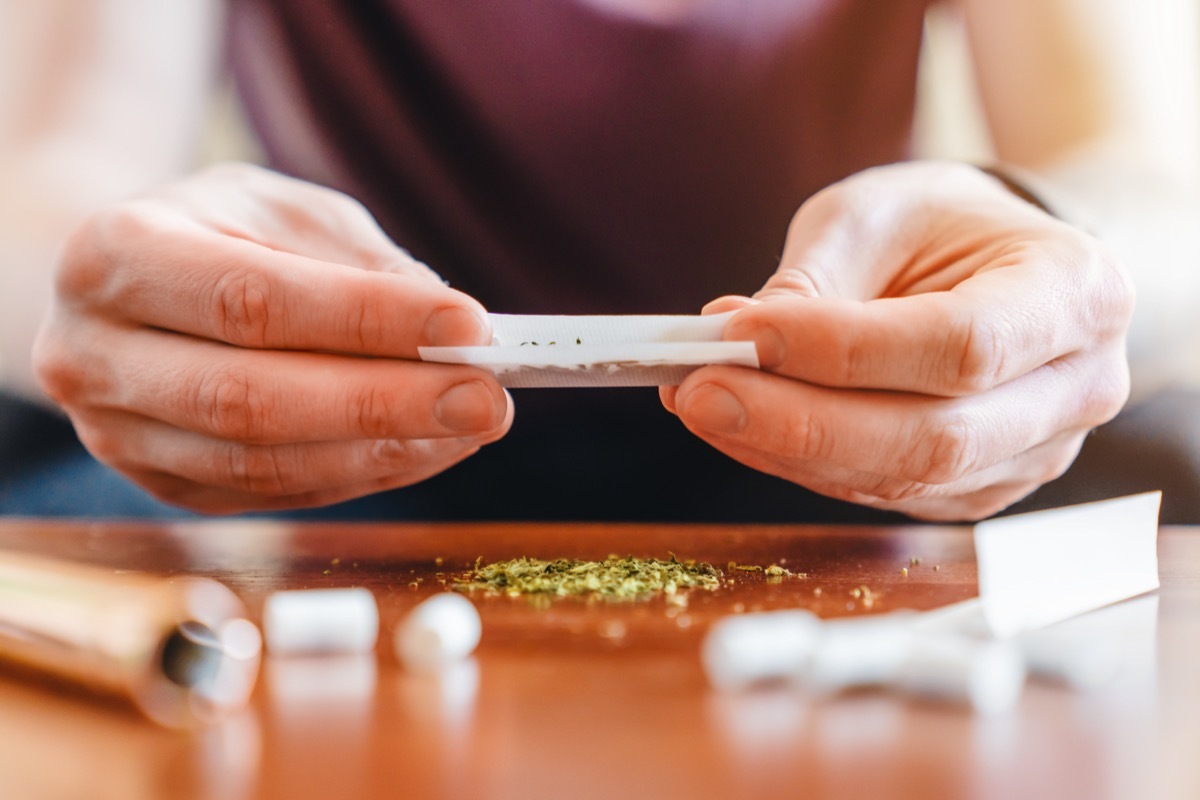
x=467 y=407
x=772 y=349
x=455 y=326
x=714 y=408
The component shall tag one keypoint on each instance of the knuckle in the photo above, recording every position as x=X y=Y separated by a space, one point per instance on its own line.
x=858 y=361
x=1114 y=296
x=393 y=453
x=89 y=262
x=367 y=327
x=834 y=202
x=1059 y=461
x=259 y=470
x=241 y=308
x=890 y=490
x=105 y=444
x=1107 y=394
x=84 y=265
x=58 y=370
x=794 y=280
x=947 y=451
x=806 y=438
x=229 y=403
x=976 y=362
x=372 y=412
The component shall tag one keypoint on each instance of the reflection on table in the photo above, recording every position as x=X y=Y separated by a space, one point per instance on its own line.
x=600 y=699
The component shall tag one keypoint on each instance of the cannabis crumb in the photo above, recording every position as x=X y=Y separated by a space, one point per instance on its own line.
x=866 y=594
x=615 y=577
x=904 y=572
x=335 y=561
x=914 y=562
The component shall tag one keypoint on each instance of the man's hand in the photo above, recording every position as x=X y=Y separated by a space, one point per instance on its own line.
x=930 y=344
x=244 y=341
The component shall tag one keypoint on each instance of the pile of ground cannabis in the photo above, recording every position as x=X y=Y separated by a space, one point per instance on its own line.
x=614 y=577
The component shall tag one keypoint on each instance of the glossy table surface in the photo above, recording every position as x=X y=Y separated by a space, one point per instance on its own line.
x=579 y=699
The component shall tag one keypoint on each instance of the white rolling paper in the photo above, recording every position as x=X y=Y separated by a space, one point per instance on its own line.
x=1043 y=567
x=531 y=351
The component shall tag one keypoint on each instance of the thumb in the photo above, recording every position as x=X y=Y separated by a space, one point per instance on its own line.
x=850 y=240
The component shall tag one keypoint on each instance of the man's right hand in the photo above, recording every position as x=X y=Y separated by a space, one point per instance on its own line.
x=245 y=341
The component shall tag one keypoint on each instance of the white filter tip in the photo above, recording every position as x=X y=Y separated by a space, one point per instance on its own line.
x=440 y=631
x=316 y=621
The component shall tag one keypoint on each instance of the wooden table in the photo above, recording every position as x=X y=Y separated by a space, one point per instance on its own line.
x=574 y=699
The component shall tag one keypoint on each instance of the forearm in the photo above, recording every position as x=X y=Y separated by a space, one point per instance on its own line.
x=1148 y=218
x=48 y=189
x=1099 y=103
x=98 y=101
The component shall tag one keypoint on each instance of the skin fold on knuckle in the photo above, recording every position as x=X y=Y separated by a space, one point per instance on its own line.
x=859 y=358
x=373 y=412
x=229 y=403
x=945 y=449
x=886 y=491
x=260 y=470
x=84 y=264
x=59 y=369
x=97 y=254
x=391 y=454
x=963 y=507
x=1097 y=382
x=975 y=357
x=1106 y=393
x=365 y=324
x=241 y=308
x=805 y=436
x=407 y=461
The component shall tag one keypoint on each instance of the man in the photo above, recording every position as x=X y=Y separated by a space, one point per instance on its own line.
x=933 y=342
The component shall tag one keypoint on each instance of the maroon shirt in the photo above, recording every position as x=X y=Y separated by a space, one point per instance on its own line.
x=548 y=156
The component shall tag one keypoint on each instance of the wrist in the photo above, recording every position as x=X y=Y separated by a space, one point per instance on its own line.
x=1038 y=192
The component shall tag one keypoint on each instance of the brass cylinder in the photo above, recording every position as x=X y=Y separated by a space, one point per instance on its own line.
x=179 y=648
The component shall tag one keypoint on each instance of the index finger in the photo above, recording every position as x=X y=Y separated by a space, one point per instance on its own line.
x=995 y=326
x=236 y=291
